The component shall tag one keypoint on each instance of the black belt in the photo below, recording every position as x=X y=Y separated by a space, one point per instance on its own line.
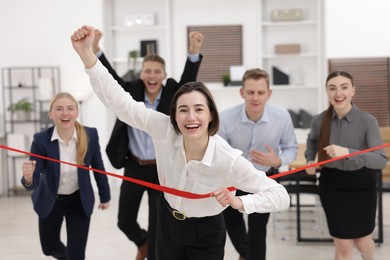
x=175 y=213
x=68 y=196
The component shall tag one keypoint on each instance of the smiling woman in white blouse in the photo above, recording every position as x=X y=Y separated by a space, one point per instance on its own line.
x=190 y=157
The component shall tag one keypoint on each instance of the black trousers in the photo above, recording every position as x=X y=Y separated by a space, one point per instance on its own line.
x=249 y=244
x=129 y=202
x=252 y=244
x=77 y=228
x=189 y=239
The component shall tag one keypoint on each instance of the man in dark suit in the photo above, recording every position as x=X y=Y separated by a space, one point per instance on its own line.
x=133 y=149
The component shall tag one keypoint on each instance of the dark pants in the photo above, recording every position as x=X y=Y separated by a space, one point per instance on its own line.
x=129 y=203
x=77 y=227
x=252 y=244
x=189 y=239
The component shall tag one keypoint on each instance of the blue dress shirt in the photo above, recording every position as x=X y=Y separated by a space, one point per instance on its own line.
x=274 y=128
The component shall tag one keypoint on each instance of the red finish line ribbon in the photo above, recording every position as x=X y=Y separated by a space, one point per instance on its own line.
x=278 y=175
x=181 y=193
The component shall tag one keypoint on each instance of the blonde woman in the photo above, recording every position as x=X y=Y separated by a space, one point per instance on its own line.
x=63 y=191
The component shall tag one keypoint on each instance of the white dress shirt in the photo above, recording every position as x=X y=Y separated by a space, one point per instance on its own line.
x=69 y=180
x=221 y=167
x=274 y=128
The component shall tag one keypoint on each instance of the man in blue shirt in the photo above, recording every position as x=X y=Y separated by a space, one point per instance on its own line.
x=265 y=134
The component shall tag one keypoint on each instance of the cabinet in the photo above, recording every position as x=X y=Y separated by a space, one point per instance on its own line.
x=35 y=85
x=298 y=23
x=127 y=23
x=305 y=67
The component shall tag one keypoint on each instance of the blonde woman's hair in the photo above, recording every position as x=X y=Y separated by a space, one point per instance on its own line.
x=82 y=137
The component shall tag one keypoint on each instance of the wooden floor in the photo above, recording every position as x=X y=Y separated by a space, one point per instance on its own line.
x=19 y=234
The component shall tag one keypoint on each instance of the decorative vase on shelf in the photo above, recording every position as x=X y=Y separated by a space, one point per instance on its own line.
x=132 y=72
x=21 y=109
x=21 y=115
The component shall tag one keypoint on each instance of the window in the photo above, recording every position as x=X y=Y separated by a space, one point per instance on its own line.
x=221 y=49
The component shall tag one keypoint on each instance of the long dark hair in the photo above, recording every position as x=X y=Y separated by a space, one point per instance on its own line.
x=323 y=139
x=200 y=87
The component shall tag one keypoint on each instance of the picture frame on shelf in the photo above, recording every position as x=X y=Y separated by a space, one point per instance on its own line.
x=148 y=46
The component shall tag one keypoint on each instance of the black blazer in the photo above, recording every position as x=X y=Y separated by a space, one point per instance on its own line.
x=47 y=173
x=117 y=147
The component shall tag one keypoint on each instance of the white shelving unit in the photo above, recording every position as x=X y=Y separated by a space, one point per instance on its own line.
x=37 y=85
x=304 y=92
x=120 y=38
x=306 y=68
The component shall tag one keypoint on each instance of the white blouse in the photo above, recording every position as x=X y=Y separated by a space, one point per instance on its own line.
x=221 y=167
x=69 y=180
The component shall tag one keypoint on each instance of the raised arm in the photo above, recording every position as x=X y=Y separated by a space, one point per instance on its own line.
x=191 y=69
x=196 y=41
x=95 y=44
x=82 y=40
x=110 y=92
x=103 y=59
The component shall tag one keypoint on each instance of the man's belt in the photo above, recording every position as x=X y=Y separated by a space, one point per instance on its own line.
x=143 y=162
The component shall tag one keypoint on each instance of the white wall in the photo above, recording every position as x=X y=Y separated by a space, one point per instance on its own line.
x=35 y=33
x=357 y=28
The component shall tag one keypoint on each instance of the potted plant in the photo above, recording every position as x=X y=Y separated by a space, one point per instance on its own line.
x=22 y=109
x=226 y=79
x=132 y=59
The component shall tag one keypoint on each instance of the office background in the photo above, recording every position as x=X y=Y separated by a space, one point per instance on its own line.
x=37 y=33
